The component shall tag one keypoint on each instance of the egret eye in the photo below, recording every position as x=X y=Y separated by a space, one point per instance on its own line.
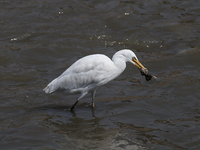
x=133 y=58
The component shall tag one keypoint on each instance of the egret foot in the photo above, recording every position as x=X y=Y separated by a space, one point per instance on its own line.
x=73 y=107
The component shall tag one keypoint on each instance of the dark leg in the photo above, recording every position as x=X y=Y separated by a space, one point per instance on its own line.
x=73 y=106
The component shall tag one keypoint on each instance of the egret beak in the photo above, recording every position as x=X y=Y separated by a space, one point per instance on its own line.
x=138 y=64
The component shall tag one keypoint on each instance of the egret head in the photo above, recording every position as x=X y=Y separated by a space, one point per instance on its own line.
x=132 y=58
x=128 y=56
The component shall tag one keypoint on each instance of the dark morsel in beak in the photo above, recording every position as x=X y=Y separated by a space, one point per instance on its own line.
x=144 y=72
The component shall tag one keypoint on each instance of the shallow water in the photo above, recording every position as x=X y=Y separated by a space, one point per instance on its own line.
x=40 y=39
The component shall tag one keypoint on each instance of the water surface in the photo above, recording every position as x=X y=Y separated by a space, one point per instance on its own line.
x=40 y=39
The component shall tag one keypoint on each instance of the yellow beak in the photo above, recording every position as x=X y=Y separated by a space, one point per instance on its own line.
x=138 y=64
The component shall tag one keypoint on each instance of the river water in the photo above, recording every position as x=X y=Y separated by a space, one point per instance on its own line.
x=40 y=39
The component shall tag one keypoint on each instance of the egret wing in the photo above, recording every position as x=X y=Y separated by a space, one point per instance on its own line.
x=93 y=70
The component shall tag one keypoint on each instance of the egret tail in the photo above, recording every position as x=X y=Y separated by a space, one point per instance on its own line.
x=52 y=86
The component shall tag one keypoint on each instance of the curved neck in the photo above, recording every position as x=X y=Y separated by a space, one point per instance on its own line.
x=120 y=65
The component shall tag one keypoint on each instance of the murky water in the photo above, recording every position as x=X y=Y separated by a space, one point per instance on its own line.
x=40 y=39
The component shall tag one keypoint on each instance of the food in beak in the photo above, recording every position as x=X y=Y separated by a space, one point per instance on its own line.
x=145 y=72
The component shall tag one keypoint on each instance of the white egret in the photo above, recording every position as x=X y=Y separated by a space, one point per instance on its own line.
x=93 y=71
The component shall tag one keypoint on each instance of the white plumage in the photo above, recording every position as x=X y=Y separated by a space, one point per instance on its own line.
x=90 y=72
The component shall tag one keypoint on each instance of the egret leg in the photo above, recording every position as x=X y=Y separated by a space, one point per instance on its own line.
x=93 y=98
x=74 y=106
